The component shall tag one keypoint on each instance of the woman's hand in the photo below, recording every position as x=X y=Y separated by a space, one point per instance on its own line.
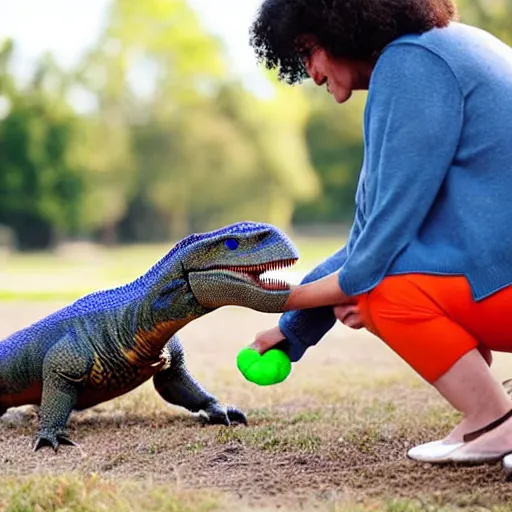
x=349 y=315
x=265 y=340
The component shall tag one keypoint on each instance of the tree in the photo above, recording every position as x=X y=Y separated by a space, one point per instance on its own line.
x=334 y=138
x=40 y=182
x=283 y=175
x=494 y=16
x=162 y=41
x=199 y=150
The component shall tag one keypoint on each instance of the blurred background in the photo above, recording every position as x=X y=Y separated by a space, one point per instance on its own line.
x=128 y=124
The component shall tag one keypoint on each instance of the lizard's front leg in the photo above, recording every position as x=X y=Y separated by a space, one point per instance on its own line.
x=176 y=386
x=65 y=369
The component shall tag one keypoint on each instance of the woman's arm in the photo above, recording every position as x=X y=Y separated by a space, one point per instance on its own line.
x=324 y=292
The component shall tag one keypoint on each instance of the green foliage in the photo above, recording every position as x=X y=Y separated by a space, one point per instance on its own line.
x=495 y=16
x=39 y=182
x=197 y=152
x=334 y=137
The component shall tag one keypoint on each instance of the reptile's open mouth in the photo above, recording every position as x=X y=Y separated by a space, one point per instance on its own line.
x=256 y=273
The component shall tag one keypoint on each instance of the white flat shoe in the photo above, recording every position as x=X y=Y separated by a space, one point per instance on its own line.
x=441 y=452
x=507 y=463
x=435 y=452
x=475 y=458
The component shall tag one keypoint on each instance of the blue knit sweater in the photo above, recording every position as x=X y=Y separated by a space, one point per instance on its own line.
x=435 y=189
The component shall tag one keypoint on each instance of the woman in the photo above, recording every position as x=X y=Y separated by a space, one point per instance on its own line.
x=428 y=263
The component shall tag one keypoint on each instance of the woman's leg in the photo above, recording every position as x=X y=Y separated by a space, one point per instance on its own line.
x=417 y=325
x=470 y=387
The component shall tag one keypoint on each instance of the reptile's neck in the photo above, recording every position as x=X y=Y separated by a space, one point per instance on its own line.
x=165 y=306
x=148 y=343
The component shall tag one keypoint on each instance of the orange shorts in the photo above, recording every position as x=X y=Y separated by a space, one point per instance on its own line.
x=432 y=321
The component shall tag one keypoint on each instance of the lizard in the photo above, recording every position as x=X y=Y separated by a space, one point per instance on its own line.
x=109 y=342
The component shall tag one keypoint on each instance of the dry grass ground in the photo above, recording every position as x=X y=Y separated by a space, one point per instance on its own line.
x=333 y=437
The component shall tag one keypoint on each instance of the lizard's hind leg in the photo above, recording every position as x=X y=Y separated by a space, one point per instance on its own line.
x=64 y=370
x=177 y=386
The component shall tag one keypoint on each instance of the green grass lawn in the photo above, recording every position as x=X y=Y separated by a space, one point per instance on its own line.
x=73 y=493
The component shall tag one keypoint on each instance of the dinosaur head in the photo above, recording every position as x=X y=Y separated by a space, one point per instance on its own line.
x=225 y=267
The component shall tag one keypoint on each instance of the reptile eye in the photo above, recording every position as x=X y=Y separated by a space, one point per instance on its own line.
x=232 y=244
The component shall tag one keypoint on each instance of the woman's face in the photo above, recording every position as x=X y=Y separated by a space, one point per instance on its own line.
x=341 y=76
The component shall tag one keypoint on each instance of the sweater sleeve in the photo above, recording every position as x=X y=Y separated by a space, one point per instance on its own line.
x=413 y=124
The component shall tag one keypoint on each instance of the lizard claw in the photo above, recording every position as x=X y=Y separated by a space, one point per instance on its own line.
x=218 y=415
x=236 y=415
x=215 y=414
x=52 y=440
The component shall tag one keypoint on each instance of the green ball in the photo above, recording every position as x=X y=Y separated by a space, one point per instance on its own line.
x=265 y=370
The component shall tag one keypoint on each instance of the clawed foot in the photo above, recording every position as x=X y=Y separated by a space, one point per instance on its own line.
x=236 y=415
x=53 y=440
x=218 y=415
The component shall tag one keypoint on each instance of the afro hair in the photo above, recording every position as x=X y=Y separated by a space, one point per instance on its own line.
x=353 y=29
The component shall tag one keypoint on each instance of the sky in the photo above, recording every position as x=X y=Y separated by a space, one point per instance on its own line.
x=67 y=28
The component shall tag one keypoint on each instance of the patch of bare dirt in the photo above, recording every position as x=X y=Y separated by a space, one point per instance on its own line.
x=161 y=449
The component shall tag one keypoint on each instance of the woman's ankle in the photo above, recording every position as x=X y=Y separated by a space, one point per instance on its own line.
x=470 y=387
x=475 y=424
x=458 y=433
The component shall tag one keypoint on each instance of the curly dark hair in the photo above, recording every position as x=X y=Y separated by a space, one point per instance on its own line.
x=353 y=29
